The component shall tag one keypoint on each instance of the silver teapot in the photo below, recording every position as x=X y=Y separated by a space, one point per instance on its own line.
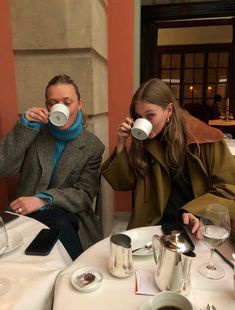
x=173 y=257
x=120 y=262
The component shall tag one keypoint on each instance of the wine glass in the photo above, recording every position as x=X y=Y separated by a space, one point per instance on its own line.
x=4 y=283
x=215 y=229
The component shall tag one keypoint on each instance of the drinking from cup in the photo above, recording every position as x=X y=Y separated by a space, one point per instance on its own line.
x=141 y=129
x=59 y=114
x=171 y=301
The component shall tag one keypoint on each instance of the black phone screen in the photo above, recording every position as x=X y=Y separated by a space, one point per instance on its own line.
x=43 y=243
x=8 y=217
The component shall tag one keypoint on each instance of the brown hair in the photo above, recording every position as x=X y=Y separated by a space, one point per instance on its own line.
x=157 y=92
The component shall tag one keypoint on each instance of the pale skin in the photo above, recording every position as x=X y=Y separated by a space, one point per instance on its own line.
x=60 y=93
x=158 y=117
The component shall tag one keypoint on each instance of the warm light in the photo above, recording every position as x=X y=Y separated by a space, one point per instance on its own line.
x=209 y=88
x=191 y=87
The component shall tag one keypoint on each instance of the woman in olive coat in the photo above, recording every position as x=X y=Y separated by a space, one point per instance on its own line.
x=182 y=166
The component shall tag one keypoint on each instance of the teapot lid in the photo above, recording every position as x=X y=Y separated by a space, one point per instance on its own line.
x=175 y=242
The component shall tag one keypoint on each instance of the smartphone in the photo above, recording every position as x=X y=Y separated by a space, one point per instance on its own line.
x=8 y=217
x=43 y=243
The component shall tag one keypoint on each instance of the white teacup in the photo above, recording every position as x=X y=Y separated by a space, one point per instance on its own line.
x=59 y=114
x=171 y=300
x=141 y=129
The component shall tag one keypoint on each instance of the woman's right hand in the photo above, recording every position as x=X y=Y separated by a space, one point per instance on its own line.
x=37 y=114
x=123 y=133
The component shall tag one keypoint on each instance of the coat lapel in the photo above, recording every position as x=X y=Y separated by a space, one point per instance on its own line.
x=45 y=150
x=69 y=158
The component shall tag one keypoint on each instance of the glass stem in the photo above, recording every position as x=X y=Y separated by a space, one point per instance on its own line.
x=211 y=265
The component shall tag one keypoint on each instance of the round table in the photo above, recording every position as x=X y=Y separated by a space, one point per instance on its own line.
x=119 y=294
x=32 y=277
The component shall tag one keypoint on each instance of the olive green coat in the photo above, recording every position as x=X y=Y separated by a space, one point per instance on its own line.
x=211 y=170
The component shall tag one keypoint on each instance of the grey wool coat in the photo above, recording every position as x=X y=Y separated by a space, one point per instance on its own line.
x=75 y=181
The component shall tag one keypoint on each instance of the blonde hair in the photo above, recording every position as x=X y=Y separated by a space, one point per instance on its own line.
x=157 y=92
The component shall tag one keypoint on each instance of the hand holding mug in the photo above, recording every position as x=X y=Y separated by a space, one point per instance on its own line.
x=37 y=114
x=124 y=132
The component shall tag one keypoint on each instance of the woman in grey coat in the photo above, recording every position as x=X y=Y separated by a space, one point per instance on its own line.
x=58 y=167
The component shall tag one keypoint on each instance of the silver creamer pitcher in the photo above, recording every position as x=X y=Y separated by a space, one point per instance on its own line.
x=173 y=258
x=120 y=262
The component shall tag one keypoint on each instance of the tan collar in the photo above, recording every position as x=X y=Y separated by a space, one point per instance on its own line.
x=200 y=132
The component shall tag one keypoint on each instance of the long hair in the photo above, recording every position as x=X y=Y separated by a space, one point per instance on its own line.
x=157 y=92
x=65 y=79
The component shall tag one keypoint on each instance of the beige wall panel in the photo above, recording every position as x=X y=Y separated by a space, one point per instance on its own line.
x=38 y=24
x=99 y=125
x=90 y=29
x=59 y=24
x=34 y=72
x=100 y=86
x=99 y=28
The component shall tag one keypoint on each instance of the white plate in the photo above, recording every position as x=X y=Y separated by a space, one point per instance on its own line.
x=139 y=237
x=78 y=281
x=15 y=239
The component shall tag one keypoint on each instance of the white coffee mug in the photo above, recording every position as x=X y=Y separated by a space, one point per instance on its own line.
x=171 y=299
x=141 y=129
x=59 y=114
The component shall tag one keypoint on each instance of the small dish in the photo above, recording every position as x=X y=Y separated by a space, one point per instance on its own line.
x=87 y=279
x=15 y=239
x=138 y=240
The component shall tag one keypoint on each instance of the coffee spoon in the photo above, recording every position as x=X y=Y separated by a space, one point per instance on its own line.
x=147 y=246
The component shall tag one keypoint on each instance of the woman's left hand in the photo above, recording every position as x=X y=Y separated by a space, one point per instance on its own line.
x=27 y=205
x=194 y=224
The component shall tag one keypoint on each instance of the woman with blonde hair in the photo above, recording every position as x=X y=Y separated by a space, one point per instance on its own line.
x=182 y=166
x=58 y=167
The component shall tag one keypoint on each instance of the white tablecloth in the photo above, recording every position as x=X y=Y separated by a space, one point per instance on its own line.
x=119 y=294
x=32 y=277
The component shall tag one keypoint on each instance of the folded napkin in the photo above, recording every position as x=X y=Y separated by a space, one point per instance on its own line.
x=145 y=283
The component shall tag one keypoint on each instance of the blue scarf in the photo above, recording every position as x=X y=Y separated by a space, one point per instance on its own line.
x=63 y=136
x=70 y=133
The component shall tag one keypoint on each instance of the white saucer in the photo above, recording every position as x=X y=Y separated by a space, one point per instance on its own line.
x=148 y=305
x=139 y=238
x=78 y=281
x=15 y=239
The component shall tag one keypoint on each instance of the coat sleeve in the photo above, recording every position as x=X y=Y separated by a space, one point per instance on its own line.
x=13 y=147
x=118 y=172
x=79 y=191
x=220 y=168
